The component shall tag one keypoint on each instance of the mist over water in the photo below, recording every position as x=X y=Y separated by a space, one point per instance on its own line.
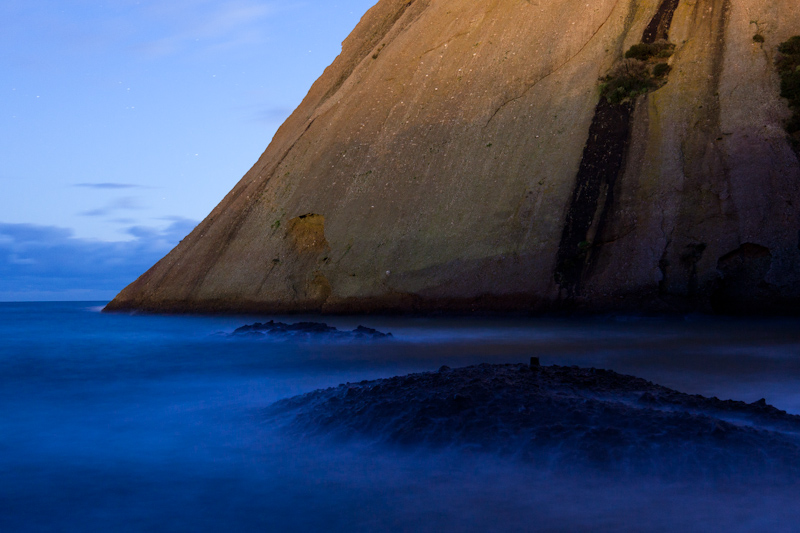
x=135 y=422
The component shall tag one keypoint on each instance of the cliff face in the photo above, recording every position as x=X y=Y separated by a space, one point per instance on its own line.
x=458 y=155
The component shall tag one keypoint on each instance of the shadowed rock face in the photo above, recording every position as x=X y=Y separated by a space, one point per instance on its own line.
x=435 y=165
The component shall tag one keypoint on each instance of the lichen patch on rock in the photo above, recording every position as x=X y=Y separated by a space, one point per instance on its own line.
x=307 y=233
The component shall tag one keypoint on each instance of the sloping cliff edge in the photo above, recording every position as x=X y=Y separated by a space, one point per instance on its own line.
x=458 y=156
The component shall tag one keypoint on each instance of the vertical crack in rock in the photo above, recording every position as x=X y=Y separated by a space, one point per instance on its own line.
x=603 y=160
x=706 y=171
x=689 y=259
x=660 y=23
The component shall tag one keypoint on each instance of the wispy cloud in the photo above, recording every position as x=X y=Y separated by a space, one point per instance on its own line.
x=47 y=260
x=153 y=28
x=109 y=185
x=208 y=25
x=126 y=203
x=273 y=115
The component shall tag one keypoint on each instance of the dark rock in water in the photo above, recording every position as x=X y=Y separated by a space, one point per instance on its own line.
x=365 y=332
x=306 y=330
x=556 y=416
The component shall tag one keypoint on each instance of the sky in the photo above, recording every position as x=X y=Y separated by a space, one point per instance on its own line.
x=123 y=123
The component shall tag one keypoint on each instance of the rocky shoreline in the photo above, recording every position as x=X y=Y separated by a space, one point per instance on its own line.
x=554 y=416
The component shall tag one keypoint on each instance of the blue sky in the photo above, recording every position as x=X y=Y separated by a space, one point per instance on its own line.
x=123 y=123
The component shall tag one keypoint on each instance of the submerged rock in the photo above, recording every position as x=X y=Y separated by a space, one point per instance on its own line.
x=555 y=416
x=306 y=330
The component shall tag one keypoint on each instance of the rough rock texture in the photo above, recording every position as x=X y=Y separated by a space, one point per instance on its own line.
x=555 y=416
x=439 y=164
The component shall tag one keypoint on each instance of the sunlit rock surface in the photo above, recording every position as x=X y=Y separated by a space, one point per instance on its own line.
x=457 y=156
x=555 y=416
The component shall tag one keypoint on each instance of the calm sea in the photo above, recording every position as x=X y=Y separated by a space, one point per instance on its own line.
x=155 y=423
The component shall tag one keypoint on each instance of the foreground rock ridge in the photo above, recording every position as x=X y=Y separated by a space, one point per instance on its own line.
x=555 y=416
x=464 y=156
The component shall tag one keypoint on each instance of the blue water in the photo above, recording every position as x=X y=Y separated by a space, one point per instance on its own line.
x=116 y=422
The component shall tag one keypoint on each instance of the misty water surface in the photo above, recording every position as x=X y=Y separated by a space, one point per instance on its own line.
x=135 y=422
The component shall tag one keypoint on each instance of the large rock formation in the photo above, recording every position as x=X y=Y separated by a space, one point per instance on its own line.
x=458 y=155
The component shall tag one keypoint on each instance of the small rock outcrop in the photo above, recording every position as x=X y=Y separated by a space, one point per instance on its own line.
x=555 y=416
x=306 y=330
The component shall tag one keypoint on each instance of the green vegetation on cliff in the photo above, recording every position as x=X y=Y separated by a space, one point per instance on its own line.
x=644 y=69
x=645 y=51
x=788 y=64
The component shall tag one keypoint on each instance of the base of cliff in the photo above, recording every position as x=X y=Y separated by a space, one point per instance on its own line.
x=510 y=304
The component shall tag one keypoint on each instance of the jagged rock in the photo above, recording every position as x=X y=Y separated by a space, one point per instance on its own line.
x=555 y=416
x=306 y=330
x=458 y=156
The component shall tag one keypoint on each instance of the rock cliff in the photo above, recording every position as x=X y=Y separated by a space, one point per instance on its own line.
x=462 y=156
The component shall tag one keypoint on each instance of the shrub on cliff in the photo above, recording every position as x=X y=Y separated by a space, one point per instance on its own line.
x=788 y=65
x=790 y=87
x=793 y=126
x=661 y=70
x=790 y=47
x=628 y=79
x=645 y=51
x=644 y=69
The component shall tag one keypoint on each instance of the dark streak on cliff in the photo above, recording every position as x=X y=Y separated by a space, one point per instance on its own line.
x=603 y=160
x=660 y=23
x=706 y=171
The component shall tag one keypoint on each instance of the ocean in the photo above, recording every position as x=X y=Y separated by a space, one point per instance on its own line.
x=127 y=422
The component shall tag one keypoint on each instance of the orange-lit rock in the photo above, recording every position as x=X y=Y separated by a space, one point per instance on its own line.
x=436 y=159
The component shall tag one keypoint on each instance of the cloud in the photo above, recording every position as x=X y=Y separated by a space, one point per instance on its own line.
x=149 y=28
x=273 y=115
x=124 y=203
x=109 y=185
x=211 y=26
x=49 y=262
